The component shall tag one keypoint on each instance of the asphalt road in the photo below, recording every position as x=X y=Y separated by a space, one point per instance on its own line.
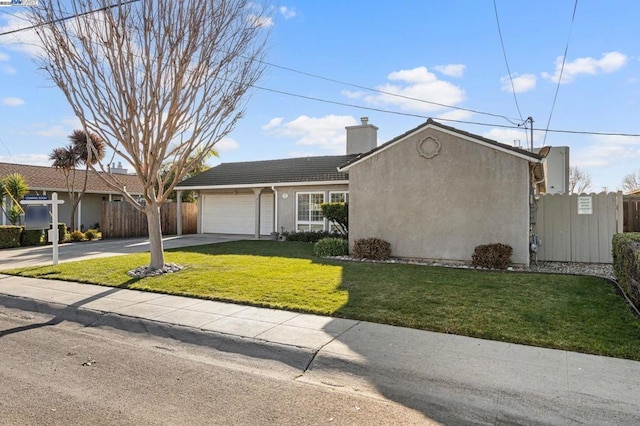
x=59 y=373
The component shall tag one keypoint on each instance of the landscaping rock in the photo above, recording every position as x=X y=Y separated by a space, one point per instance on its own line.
x=147 y=271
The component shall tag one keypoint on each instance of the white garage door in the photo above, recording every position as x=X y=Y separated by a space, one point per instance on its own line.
x=235 y=214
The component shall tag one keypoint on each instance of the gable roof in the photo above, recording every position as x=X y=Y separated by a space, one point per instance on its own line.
x=41 y=178
x=304 y=170
x=519 y=152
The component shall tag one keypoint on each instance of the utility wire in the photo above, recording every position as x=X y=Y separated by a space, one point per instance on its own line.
x=316 y=99
x=66 y=18
x=564 y=59
x=506 y=61
x=358 y=86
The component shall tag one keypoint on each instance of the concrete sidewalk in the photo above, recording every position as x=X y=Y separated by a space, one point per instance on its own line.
x=451 y=379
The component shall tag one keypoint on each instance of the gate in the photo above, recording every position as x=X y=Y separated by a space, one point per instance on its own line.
x=578 y=227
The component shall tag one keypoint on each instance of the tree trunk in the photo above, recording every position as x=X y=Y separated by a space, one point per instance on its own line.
x=155 y=236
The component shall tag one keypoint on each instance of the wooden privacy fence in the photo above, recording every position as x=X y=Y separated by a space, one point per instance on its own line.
x=631 y=207
x=121 y=220
x=578 y=227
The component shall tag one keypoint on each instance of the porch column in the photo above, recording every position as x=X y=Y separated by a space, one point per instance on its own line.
x=179 y=212
x=257 y=192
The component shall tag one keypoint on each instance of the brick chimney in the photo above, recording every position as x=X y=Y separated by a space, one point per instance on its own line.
x=362 y=138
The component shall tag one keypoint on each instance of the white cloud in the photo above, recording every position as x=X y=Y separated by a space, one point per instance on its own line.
x=609 y=63
x=415 y=89
x=455 y=114
x=326 y=133
x=511 y=137
x=273 y=123
x=11 y=102
x=4 y=57
x=29 y=159
x=26 y=41
x=61 y=130
x=287 y=12
x=521 y=83
x=226 y=145
x=452 y=70
x=416 y=83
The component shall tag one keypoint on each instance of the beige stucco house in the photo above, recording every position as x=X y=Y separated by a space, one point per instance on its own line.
x=434 y=192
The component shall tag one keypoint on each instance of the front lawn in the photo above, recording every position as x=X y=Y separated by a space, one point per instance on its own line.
x=582 y=314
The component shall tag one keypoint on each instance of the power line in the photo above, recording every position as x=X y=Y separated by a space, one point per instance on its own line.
x=358 y=86
x=564 y=59
x=66 y=18
x=513 y=126
x=506 y=61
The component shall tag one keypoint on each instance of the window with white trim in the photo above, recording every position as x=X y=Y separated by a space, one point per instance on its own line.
x=308 y=212
x=339 y=196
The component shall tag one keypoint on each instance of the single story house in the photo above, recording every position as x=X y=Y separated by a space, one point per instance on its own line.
x=43 y=180
x=434 y=192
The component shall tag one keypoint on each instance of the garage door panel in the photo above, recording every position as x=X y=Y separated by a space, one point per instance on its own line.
x=235 y=213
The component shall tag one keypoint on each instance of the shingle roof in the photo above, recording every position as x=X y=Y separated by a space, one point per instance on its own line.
x=431 y=122
x=289 y=170
x=40 y=178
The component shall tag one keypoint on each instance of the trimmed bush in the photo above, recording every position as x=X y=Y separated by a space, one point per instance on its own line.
x=626 y=263
x=31 y=237
x=331 y=247
x=310 y=236
x=371 y=248
x=492 y=256
x=76 y=236
x=10 y=236
x=338 y=214
x=91 y=234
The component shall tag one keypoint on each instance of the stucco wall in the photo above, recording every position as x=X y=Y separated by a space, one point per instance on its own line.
x=443 y=207
x=287 y=205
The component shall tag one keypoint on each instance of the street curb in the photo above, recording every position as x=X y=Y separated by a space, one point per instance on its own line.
x=294 y=356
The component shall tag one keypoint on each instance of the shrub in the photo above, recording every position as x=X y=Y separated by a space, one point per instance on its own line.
x=492 y=256
x=331 y=247
x=31 y=237
x=626 y=263
x=76 y=236
x=310 y=236
x=91 y=234
x=338 y=214
x=10 y=236
x=371 y=248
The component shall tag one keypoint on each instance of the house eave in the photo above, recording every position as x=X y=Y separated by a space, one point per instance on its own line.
x=261 y=185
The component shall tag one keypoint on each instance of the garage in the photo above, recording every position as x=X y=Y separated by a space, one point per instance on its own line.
x=235 y=213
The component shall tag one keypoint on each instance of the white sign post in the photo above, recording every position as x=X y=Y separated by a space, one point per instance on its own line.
x=53 y=233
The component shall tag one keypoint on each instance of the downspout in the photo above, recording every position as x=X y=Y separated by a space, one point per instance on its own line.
x=275 y=208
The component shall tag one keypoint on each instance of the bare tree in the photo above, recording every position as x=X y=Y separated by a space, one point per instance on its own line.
x=156 y=79
x=579 y=181
x=631 y=181
x=86 y=148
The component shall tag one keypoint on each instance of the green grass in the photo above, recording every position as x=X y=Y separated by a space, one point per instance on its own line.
x=582 y=314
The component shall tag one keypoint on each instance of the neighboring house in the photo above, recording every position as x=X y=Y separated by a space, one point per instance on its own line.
x=434 y=192
x=46 y=180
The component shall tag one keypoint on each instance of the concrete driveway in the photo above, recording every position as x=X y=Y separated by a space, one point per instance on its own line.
x=43 y=255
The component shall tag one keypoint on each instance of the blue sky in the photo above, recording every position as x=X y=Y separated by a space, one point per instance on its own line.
x=443 y=51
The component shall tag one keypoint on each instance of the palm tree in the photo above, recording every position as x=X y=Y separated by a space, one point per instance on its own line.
x=86 y=148
x=15 y=187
